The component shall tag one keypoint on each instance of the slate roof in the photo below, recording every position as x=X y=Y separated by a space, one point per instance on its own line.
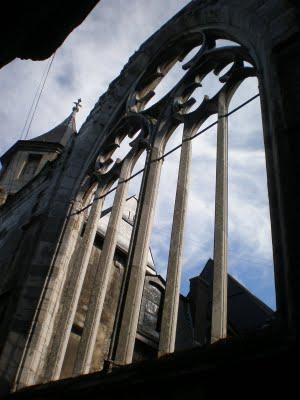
x=61 y=133
x=246 y=312
x=53 y=140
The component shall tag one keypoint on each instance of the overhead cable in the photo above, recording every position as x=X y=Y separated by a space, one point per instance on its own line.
x=166 y=154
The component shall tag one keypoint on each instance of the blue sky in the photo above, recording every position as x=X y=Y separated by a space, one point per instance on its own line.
x=90 y=58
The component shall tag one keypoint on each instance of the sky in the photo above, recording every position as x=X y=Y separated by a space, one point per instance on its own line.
x=89 y=59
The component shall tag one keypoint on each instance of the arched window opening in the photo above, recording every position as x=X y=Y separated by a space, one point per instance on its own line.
x=251 y=289
x=190 y=55
x=250 y=256
x=199 y=228
x=125 y=146
x=172 y=77
x=201 y=93
x=135 y=183
x=167 y=218
x=167 y=83
x=226 y=42
x=161 y=232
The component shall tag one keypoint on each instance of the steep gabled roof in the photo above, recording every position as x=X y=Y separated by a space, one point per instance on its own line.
x=246 y=312
x=61 y=133
x=53 y=140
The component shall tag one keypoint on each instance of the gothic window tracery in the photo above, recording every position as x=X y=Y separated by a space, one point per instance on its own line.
x=144 y=127
x=198 y=56
x=201 y=56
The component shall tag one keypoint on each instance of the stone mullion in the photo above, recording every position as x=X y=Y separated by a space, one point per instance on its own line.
x=71 y=296
x=129 y=323
x=171 y=300
x=219 y=301
x=104 y=269
x=27 y=373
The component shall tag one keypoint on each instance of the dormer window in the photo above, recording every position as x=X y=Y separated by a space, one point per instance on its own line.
x=31 y=165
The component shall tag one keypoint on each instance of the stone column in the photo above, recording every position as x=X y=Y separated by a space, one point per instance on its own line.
x=73 y=290
x=126 y=340
x=97 y=297
x=34 y=347
x=170 y=309
x=219 y=301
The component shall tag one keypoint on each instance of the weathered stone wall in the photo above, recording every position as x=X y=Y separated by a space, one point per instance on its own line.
x=108 y=316
x=21 y=222
x=150 y=315
x=25 y=216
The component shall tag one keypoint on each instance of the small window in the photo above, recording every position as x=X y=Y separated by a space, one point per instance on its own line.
x=152 y=308
x=31 y=165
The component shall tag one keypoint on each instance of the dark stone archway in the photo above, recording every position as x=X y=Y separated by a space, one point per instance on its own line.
x=34 y=29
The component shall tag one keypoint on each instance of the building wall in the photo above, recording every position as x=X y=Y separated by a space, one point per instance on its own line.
x=107 y=318
x=23 y=166
x=146 y=346
x=20 y=224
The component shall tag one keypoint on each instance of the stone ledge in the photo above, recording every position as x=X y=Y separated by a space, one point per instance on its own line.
x=214 y=369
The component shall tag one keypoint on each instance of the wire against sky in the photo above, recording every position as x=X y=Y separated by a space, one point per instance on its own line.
x=31 y=111
x=166 y=154
x=41 y=85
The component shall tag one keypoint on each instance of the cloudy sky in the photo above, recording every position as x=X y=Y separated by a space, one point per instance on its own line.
x=90 y=58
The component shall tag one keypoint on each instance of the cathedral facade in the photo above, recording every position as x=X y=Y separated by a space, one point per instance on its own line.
x=76 y=295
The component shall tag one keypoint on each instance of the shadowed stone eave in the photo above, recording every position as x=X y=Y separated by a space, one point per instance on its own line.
x=28 y=145
x=197 y=368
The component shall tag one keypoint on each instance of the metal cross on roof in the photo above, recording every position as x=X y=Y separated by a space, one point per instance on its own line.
x=77 y=105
